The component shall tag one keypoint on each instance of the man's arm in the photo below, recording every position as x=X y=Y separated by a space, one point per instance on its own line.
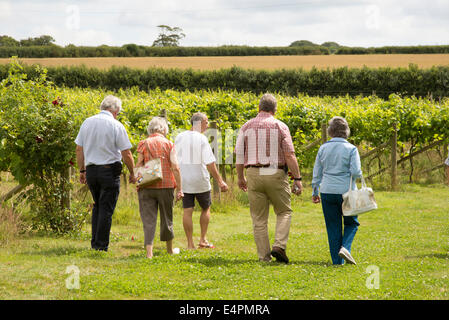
x=128 y=159
x=290 y=157
x=241 y=177
x=80 y=163
x=177 y=175
x=212 y=168
x=240 y=160
x=292 y=164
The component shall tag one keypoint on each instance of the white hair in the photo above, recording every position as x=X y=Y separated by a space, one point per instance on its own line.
x=158 y=124
x=111 y=103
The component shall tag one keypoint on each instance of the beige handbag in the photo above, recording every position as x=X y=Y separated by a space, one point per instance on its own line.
x=150 y=173
x=358 y=201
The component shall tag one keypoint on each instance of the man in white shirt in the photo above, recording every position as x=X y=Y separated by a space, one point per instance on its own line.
x=102 y=142
x=196 y=160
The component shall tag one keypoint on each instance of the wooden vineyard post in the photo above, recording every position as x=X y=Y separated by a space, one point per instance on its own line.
x=394 y=164
x=323 y=133
x=223 y=171
x=66 y=195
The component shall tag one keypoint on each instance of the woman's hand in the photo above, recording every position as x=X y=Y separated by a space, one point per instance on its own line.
x=179 y=195
x=132 y=178
x=136 y=180
x=316 y=199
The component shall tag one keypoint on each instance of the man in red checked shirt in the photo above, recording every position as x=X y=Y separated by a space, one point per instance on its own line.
x=265 y=149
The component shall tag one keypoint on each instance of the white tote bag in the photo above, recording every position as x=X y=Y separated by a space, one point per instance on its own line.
x=150 y=173
x=358 y=201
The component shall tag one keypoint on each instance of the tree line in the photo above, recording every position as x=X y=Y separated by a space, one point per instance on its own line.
x=167 y=45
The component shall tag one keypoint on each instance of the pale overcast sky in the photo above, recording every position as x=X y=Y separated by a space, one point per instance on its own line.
x=224 y=22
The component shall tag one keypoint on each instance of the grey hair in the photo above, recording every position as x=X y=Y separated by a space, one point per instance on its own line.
x=158 y=124
x=198 y=116
x=338 y=128
x=111 y=103
x=268 y=103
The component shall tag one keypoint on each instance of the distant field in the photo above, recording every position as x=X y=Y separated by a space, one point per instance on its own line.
x=251 y=62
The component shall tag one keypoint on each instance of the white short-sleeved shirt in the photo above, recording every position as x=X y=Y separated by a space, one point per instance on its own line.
x=102 y=138
x=194 y=154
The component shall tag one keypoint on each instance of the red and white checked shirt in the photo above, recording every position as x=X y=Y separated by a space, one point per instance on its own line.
x=263 y=140
x=160 y=147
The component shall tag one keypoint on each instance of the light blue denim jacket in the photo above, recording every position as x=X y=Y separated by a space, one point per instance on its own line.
x=335 y=162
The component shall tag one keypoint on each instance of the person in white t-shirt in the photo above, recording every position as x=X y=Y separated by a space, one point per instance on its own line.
x=196 y=160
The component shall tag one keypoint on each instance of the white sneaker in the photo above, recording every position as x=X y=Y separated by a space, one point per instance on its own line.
x=346 y=255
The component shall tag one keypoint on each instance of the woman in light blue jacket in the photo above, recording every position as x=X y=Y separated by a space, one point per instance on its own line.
x=337 y=160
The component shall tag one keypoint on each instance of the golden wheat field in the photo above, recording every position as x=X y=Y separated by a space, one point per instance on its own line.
x=251 y=62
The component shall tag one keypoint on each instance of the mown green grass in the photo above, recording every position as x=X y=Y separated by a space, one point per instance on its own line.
x=406 y=238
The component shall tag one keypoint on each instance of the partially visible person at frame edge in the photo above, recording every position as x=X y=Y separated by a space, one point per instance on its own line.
x=102 y=143
x=447 y=166
x=336 y=161
x=265 y=149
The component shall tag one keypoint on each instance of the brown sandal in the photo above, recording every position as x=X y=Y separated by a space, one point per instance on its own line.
x=206 y=246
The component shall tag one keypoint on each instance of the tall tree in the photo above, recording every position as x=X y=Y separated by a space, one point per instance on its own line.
x=7 y=41
x=303 y=43
x=168 y=36
x=43 y=40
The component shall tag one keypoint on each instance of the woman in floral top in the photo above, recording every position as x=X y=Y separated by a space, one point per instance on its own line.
x=159 y=195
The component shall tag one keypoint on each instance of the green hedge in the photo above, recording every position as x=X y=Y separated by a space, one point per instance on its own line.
x=132 y=50
x=316 y=82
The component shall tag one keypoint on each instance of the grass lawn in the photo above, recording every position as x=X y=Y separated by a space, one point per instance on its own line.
x=406 y=240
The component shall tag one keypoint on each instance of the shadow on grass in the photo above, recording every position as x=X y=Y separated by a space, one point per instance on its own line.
x=138 y=253
x=311 y=263
x=430 y=255
x=220 y=261
x=133 y=247
x=65 y=251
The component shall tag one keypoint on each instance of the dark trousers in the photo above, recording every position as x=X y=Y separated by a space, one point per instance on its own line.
x=336 y=235
x=104 y=185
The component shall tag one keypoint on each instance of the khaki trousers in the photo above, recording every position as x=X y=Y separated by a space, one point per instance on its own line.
x=150 y=200
x=264 y=188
